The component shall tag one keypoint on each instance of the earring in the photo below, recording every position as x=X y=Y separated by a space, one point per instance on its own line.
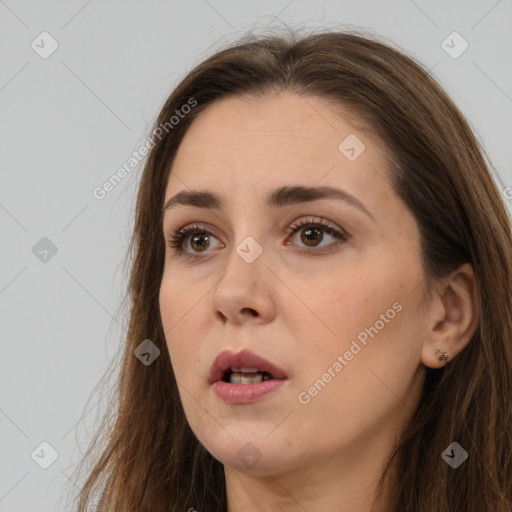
x=443 y=356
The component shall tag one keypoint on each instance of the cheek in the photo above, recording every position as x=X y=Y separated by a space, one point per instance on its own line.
x=340 y=307
x=364 y=372
x=184 y=310
x=368 y=318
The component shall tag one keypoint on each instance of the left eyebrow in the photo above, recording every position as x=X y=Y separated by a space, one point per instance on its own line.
x=278 y=198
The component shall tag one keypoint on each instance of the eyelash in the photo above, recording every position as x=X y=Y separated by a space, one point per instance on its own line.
x=177 y=237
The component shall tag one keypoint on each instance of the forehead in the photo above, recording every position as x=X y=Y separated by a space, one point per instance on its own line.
x=253 y=142
x=271 y=116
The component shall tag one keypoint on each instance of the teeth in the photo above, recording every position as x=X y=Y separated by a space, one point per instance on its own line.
x=246 y=370
x=240 y=378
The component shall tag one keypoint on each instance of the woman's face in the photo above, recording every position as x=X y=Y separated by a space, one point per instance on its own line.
x=337 y=307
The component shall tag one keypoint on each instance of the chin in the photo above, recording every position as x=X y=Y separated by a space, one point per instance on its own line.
x=250 y=454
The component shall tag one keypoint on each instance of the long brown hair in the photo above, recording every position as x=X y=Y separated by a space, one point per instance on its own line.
x=151 y=461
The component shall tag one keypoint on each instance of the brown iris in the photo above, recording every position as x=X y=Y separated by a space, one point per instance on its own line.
x=199 y=238
x=311 y=235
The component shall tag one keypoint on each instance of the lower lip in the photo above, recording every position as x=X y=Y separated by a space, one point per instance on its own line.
x=246 y=393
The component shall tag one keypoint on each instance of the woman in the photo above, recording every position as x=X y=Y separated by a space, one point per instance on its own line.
x=320 y=295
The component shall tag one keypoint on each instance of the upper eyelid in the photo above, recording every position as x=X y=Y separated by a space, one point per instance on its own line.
x=295 y=224
x=303 y=219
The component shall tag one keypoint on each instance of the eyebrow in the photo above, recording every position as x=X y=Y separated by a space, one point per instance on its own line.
x=278 y=198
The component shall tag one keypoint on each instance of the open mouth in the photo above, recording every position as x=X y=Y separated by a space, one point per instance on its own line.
x=244 y=367
x=246 y=376
x=241 y=378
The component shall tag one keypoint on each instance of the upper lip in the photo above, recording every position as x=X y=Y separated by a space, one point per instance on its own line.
x=242 y=359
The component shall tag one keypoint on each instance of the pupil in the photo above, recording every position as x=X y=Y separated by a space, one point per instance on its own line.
x=310 y=234
x=199 y=237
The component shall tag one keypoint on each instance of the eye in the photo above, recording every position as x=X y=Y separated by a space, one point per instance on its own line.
x=197 y=236
x=311 y=232
x=199 y=239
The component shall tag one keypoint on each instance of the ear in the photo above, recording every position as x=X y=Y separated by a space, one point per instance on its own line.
x=454 y=315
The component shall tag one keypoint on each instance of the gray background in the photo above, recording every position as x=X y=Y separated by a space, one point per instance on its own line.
x=69 y=121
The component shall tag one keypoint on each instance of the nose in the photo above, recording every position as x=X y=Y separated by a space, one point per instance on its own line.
x=244 y=292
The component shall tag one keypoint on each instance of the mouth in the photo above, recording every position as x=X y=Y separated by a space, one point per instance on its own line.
x=243 y=368
x=243 y=378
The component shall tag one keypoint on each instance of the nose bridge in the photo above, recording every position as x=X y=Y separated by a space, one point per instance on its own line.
x=248 y=232
x=246 y=258
x=243 y=286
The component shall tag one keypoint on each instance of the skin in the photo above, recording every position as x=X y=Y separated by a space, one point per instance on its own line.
x=302 y=310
